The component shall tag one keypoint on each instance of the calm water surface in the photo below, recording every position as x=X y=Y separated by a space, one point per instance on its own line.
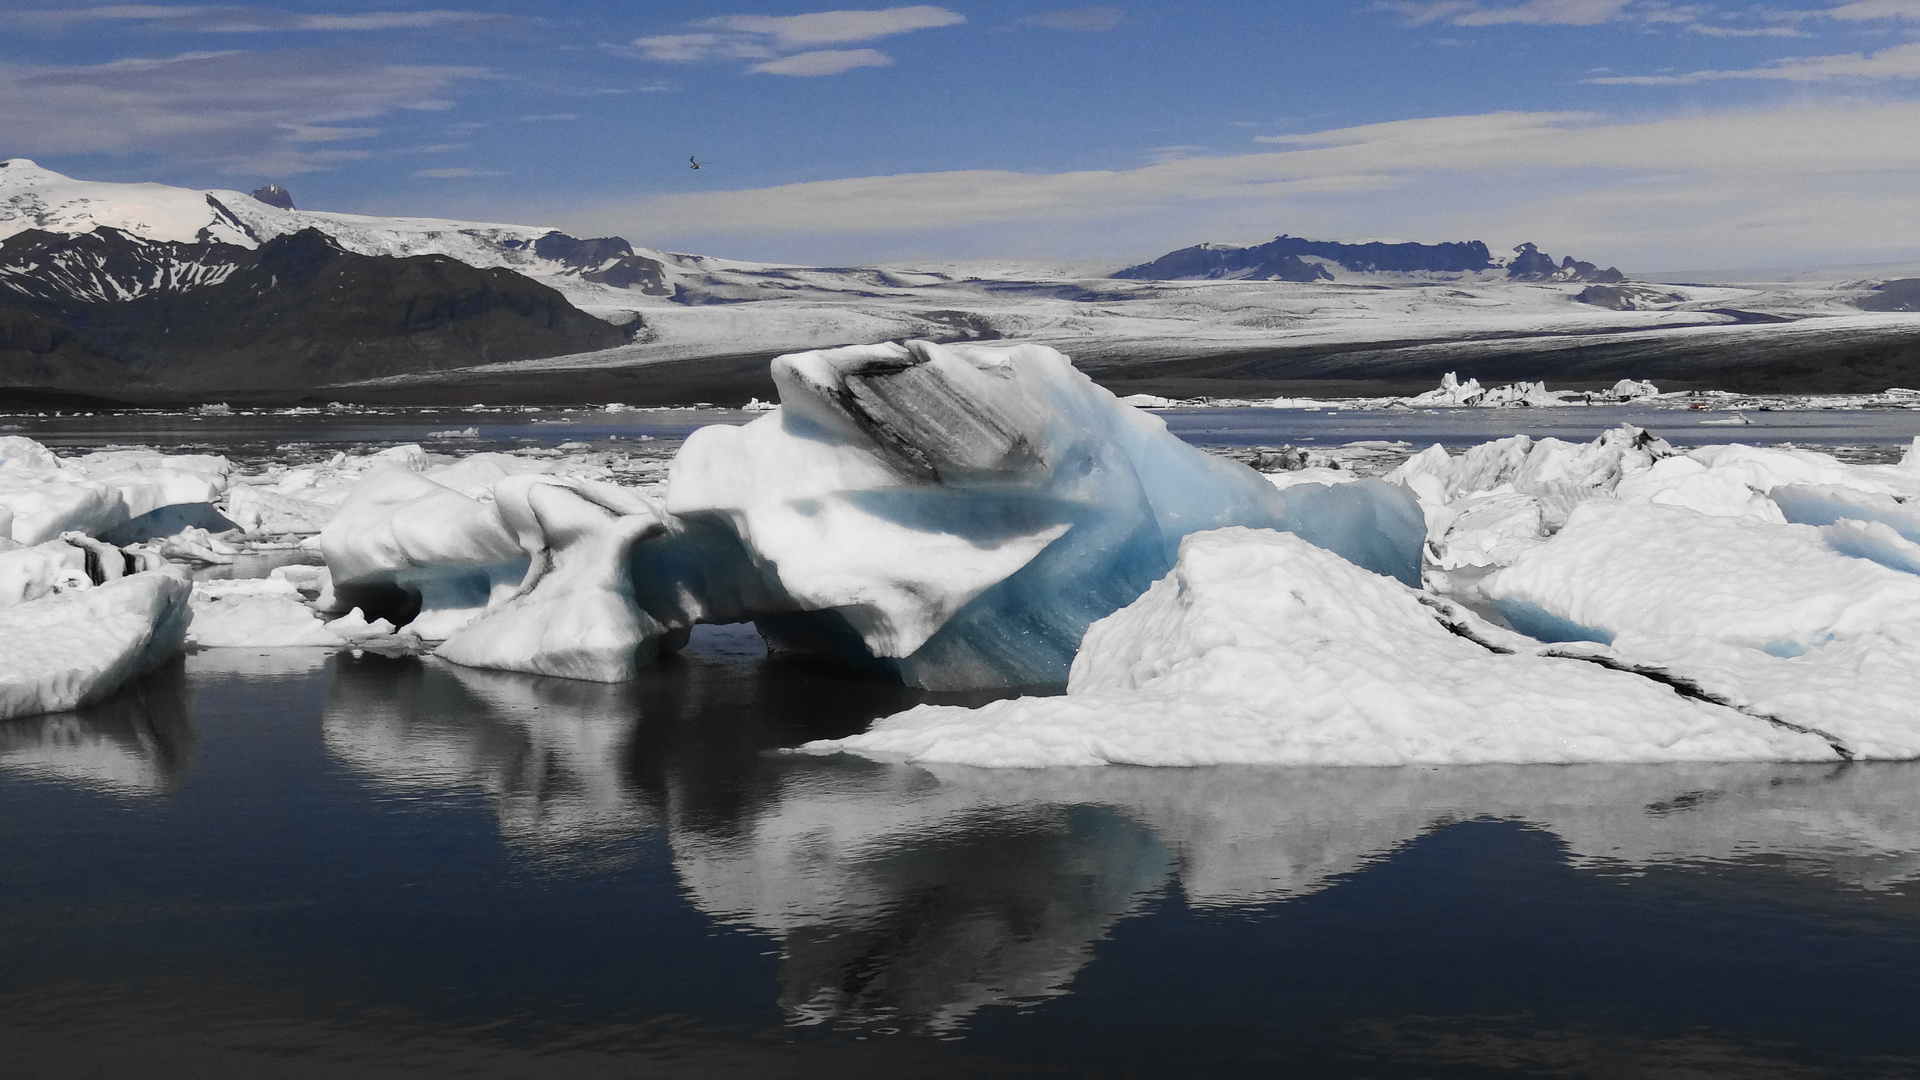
x=290 y=863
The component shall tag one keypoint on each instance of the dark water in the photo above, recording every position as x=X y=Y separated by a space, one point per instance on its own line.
x=1878 y=432
x=294 y=864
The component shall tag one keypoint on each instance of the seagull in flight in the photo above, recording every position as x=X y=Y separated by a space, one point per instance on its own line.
x=692 y=163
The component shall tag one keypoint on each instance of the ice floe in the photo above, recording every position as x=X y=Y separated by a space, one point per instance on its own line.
x=79 y=645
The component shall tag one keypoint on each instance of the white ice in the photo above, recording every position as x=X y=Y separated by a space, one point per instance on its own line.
x=77 y=646
x=1260 y=648
x=957 y=515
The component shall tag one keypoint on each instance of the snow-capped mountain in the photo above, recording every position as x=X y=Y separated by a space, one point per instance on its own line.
x=496 y=310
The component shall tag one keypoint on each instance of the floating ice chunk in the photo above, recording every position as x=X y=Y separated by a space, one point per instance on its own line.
x=1824 y=504
x=254 y=613
x=354 y=627
x=400 y=535
x=575 y=615
x=1620 y=567
x=256 y=509
x=1631 y=390
x=44 y=506
x=956 y=515
x=73 y=647
x=29 y=573
x=1261 y=648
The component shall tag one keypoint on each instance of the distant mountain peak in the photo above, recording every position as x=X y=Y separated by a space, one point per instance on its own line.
x=274 y=195
x=1293 y=258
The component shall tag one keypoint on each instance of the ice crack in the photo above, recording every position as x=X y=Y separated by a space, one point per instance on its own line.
x=1688 y=688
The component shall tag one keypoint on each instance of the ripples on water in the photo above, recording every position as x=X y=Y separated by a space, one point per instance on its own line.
x=291 y=864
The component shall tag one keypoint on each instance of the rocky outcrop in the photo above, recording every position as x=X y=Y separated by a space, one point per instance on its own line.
x=114 y=315
x=1900 y=294
x=274 y=195
x=1531 y=264
x=1288 y=254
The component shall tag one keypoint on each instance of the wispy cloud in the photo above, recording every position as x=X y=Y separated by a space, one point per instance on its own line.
x=1530 y=13
x=824 y=62
x=1868 y=10
x=454 y=174
x=787 y=44
x=1086 y=20
x=1896 y=63
x=550 y=118
x=242 y=112
x=1688 y=188
x=237 y=20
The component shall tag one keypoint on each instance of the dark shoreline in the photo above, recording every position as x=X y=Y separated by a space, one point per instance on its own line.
x=1749 y=357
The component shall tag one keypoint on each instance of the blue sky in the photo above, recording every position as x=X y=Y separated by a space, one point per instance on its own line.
x=1649 y=134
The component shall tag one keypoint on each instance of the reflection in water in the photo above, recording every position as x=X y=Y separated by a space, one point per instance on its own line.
x=916 y=896
x=546 y=751
x=137 y=742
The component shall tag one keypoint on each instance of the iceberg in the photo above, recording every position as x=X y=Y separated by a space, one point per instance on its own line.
x=575 y=613
x=1259 y=648
x=1806 y=624
x=953 y=515
x=77 y=646
x=43 y=495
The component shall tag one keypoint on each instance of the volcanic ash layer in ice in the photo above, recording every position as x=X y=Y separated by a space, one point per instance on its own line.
x=1260 y=648
x=77 y=646
x=958 y=515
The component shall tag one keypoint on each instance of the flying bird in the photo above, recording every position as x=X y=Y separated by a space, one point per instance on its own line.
x=691 y=162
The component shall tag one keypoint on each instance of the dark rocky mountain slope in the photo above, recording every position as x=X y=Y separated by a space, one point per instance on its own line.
x=1281 y=260
x=112 y=315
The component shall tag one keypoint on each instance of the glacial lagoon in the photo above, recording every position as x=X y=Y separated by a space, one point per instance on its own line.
x=298 y=862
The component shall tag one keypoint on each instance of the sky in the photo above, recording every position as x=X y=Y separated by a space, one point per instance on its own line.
x=1647 y=134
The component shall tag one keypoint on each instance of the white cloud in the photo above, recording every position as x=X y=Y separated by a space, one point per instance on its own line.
x=242 y=112
x=1688 y=191
x=836 y=27
x=1898 y=62
x=774 y=39
x=824 y=62
x=677 y=48
x=1865 y=10
x=550 y=118
x=234 y=19
x=1530 y=13
x=308 y=133
x=1716 y=30
x=1088 y=20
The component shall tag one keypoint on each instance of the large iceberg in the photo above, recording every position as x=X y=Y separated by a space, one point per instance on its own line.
x=958 y=515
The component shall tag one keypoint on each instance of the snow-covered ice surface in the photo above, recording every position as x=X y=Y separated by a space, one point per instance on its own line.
x=1262 y=649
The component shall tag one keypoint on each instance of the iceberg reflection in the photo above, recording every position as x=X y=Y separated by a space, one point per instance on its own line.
x=917 y=895
x=545 y=751
x=139 y=741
